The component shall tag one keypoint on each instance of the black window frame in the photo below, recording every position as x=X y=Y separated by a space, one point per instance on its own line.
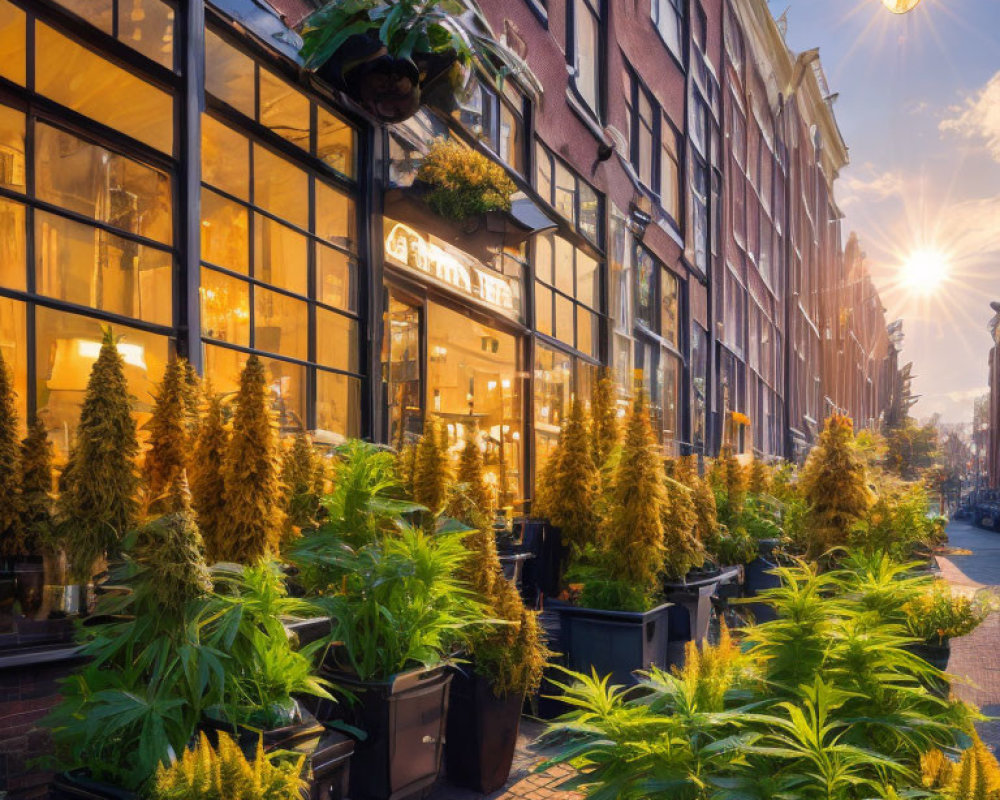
x=597 y=8
x=678 y=12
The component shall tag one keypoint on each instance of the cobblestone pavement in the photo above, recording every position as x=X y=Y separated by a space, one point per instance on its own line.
x=524 y=782
x=976 y=658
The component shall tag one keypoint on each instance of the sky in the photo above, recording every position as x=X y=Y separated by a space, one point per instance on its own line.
x=919 y=107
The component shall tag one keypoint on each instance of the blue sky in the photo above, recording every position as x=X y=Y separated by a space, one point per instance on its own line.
x=919 y=107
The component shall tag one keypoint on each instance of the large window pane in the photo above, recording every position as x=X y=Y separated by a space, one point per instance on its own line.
x=335 y=142
x=11 y=148
x=225 y=158
x=588 y=287
x=338 y=406
x=281 y=255
x=13 y=348
x=67 y=345
x=669 y=318
x=99 y=13
x=543 y=310
x=280 y=187
x=12 y=43
x=336 y=340
x=564 y=319
x=286 y=383
x=564 y=266
x=229 y=74
x=553 y=388
x=586 y=46
x=281 y=324
x=101 y=184
x=113 y=96
x=284 y=109
x=148 y=26
x=224 y=232
x=13 y=270
x=336 y=281
x=225 y=307
x=335 y=216
x=91 y=267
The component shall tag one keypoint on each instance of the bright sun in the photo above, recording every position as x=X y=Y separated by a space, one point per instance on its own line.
x=924 y=271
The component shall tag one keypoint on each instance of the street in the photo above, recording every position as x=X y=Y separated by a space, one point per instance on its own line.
x=974 y=657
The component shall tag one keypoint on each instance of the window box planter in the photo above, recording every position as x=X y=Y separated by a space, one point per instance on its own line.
x=78 y=785
x=937 y=655
x=615 y=642
x=541 y=573
x=404 y=722
x=691 y=608
x=759 y=579
x=481 y=236
x=328 y=753
x=481 y=733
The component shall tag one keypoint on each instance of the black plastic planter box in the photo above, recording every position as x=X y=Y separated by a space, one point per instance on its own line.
x=78 y=785
x=614 y=642
x=690 y=611
x=404 y=722
x=759 y=579
x=481 y=733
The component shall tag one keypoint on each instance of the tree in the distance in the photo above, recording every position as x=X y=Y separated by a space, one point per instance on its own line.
x=99 y=502
x=251 y=473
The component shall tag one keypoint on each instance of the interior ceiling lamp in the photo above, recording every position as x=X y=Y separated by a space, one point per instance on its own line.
x=900 y=6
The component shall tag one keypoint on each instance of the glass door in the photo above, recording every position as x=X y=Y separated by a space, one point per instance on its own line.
x=401 y=367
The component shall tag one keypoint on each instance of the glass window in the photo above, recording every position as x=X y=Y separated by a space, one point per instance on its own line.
x=67 y=345
x=336 y=278
x=229 y=74
x=669 y=311
x=586 y=53
x=91 y=267
x=564 y=320
x=568 y=194
x=13 y=43
x=225 y=156
x=225 y=232
x=286 y=383
x=558 y=377
x=338 y=406
x=671 y=381
x=643 y=126
x=543 y=310
x=115 y=97
x=103 y=185
x=281 y=324
x=280 y=255
x=13 y=337
x=335 y=217
x=645 y=293
x=148 y=26
x=575 y=277
x=13 y=270
x=12 y=132
x=699 y=213
x=335 y=142
x=280 y=187
x=225 y=307
x=670 y=171
x=668 y=16
x=284 y=109
x=336 y=340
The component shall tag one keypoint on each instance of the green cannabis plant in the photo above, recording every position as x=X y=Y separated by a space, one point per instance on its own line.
x=571 y=501
x=604 y=416
x=682 y=549
x=208 y=773
x=430 y=473
x=37 y=499
x=169 y=435
x=251 y=474
x=834 y=484
x=303 y=478
x=99 y=487
x=464 y=183
x=208 y=486
x=11 y=540
x=469 y=500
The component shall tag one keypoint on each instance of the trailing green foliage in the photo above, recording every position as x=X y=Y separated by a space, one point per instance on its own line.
x=206 y=773
x=11 y=541
x=99 y=486
x=251 y=474
x=464 y=183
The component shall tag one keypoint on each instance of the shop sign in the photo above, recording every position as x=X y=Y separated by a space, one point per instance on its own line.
x=409 y=248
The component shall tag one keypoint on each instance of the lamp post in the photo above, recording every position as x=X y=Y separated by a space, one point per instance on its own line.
x=900 y=6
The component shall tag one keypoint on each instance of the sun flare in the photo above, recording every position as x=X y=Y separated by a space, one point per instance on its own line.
x=924 y=271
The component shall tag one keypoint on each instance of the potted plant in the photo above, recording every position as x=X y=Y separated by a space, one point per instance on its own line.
x=937 y=615
x=384 y=55
x=617 y=626
x=506 y=660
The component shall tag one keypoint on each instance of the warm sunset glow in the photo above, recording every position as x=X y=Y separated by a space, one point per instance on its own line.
x=924 y=271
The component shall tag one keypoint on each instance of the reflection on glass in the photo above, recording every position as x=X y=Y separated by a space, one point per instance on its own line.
x=565 y=192
x=543 y=173
x=588 y=287
x=11 y=148
x=564 y=320
x=148 y=26
x=335 y=142
x=335 y=278
x=280 y=187
x=67 y=345
x=91 y=267
x=474 y=388
x=229 y=74
x=99 y=13
x=13 y=336
x=102 y=184
x=12 y=253
x=280 y=255
x=284 y=109
x=553 y=385
x=336 y=340
x=225 y=307
x=669 y=295
x=564 y=266
x=401 y=369
x=224 y=232
x=115 y=97
x=543 y=310
x=225 y=158
x=586 y=43
x=338 y=407
x=12 y=43
x=281 y=324
x=586 y=332
x=335 y=216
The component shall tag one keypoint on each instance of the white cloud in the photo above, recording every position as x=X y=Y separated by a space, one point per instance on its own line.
x=967 y=394
x=978 y=118
x=869 y=185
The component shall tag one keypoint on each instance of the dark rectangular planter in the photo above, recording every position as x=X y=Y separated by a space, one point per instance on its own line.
x=481 y=733
x=691 y=611
x=541 y=573
x=78 y=785
x=759 y=579
x=403 y=719
x=614 y=642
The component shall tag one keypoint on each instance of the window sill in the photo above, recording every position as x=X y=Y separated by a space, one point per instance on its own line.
x=585 y=113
